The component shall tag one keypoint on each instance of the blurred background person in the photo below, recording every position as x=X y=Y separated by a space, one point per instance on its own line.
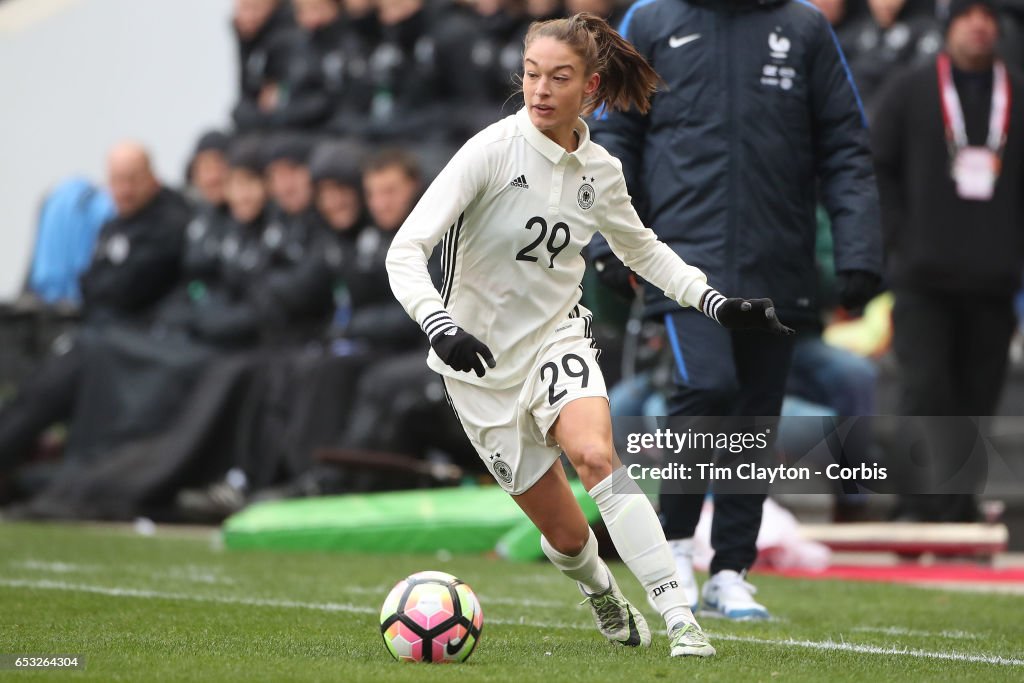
x=609 y=10
x=203 y=254
x=288 y=178
x=497 y=53
x=315 y=69
x=375 y=331
x=892 y=35
x=399 y=405
x=207 y=171
x=542 y=10
x=248 y=315
x=138 y=252
x=276 y=284
x=337 y=187
x=336 y=171
x=714 y=135
x=135 y=264
x=948 y=142
x=261 y=28
x=426 y=92
x=834 y=10
x=367 y=328
x=392 y=181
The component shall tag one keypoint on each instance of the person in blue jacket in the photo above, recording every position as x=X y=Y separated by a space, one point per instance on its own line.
x=757 y=121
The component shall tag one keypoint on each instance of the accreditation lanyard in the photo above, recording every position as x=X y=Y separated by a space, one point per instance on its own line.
x=953 y=113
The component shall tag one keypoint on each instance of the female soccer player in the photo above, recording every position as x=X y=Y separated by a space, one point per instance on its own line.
x=516 y=206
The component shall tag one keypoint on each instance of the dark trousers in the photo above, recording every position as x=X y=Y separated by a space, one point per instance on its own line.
x=952 y=352
x=723 y=373
x=43 y=400
x=402 y=409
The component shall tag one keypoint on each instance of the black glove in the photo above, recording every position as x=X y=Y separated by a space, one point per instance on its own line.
x=857 y=288
x=742 y=314
x=614 y=275
x=457 y=348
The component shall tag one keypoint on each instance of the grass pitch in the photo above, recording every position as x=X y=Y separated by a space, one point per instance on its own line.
x=176 y=607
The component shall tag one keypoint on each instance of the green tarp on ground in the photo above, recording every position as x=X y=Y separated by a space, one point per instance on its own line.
x=459 y=520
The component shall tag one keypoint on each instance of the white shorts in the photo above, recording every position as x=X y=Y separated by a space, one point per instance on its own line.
x=509 y=427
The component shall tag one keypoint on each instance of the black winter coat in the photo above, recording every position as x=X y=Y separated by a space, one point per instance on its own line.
x=199 y=279
x=361 y=285
x=425 y=90
x=258 y=58
x=875 y=54
x=274 y=283
x=934 y=239
x=758 y=120
x=136 y=260
x=316 y=72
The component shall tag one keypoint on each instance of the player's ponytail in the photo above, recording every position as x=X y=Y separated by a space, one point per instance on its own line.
x=627 y=80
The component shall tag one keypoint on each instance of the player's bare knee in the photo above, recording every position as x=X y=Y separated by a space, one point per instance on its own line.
x=593 y=462
x=568 y=541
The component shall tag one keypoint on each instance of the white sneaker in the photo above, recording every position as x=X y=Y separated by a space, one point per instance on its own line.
x=617 y=620
x=682 y=553
x=727 y=594
x=687 y=640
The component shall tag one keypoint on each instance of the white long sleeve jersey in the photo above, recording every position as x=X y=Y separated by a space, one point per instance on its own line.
x=515 y=211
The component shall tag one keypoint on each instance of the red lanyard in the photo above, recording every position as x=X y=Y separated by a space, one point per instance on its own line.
x=953 y=114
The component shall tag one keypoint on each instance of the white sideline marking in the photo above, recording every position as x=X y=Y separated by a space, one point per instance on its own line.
x=193 y=574
x=525 y=602
x=875 y=650
x=158 y=595
x=494 y=600
x=550 y=578
x=188 y=572
x=899 y=631
x=56 y=567
x=827 y=645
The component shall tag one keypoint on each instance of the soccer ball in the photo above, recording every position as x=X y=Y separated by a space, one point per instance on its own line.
x=431 y=617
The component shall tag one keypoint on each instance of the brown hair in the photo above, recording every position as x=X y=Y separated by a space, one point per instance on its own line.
x=393 y=157
x=627 y=80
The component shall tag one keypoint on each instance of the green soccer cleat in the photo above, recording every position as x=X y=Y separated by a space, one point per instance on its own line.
x=617 y=620
x=687 y=640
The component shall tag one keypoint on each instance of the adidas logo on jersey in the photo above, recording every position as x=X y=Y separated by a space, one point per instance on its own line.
x=520 y=182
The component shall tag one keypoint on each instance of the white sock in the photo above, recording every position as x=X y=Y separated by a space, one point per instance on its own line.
x=640 y=541
x=586 y=567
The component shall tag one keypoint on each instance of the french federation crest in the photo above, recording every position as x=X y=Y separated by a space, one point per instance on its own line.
x=586 y=195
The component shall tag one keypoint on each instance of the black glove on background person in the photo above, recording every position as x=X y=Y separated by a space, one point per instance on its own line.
x=457 y=348
x=742 y=314
x=857 y=288
x=616 y=276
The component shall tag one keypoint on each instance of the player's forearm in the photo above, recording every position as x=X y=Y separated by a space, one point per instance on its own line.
x=664 y=269
x=410 y=281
